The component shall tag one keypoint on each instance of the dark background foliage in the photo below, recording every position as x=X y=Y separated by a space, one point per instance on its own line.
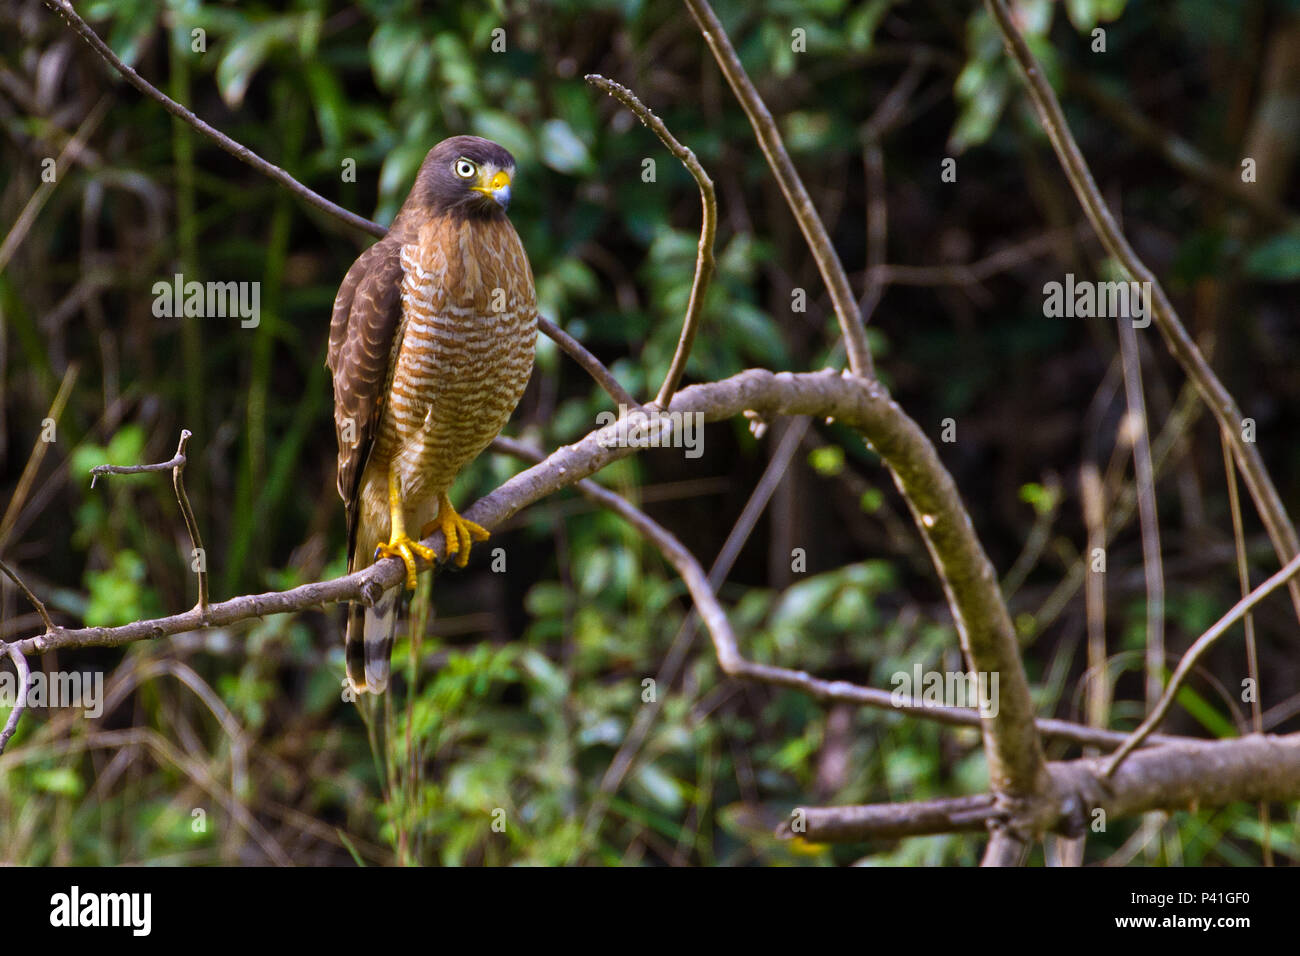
x=521 y=685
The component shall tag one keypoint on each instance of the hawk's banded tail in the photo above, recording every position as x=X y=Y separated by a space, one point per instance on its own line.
x=369 y=644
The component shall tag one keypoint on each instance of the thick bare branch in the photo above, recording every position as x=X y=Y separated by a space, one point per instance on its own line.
x=1195 y=653
x=1015 y=754
x=1182 y=776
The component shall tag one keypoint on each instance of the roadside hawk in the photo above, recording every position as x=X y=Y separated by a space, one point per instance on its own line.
x=431 y=345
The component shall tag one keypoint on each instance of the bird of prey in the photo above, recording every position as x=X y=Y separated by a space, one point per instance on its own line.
x=431 y=345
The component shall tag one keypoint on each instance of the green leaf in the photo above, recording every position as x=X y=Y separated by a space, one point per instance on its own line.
x=63 y=781
x=660 y=787
x=246 y=54
x=330 y=103
x=827 y=460
x=506 y=130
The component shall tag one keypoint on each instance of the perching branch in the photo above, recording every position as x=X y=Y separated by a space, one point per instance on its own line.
x=708 y=230
x=824 y=394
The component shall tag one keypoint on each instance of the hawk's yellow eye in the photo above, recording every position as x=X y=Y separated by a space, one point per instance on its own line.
x=464 y=168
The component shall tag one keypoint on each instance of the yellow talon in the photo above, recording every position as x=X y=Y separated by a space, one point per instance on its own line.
x=400 y=544
x=406 y=548
x=458 y=531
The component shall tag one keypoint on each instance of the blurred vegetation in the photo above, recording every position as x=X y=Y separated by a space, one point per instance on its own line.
x=517 y=689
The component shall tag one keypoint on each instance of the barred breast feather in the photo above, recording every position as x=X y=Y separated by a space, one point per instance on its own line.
x=463 y=355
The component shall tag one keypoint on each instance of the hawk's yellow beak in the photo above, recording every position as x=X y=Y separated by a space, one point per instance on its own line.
x=497 y=186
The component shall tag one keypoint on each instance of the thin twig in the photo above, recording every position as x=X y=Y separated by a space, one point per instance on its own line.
x=1248 y=625
x=1144 y=485
x=42 y=193
x=603 y=376
x=36 y=602
x=704 y=263
x=100 y=470
x=796 y=194
x=41 y=446
x=177 y=467
x=1094 y=519
x=20 y=703
x=873 y=164
x=1182 y=155
x=1281 y=531
x=1194 y=654
x=243 y=153
x=1243 y=580
x=196 y=543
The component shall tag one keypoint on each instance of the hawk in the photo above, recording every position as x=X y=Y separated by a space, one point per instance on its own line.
x=431 y=344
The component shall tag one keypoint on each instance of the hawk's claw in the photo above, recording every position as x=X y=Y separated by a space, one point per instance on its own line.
x=406 y=548
x=458 y=531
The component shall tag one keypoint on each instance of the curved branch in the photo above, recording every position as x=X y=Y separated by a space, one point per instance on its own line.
x=20 y=703
x=708 y=230
x=796 y=194
x=177 y=467
x=1194 y=654
x=982 y=621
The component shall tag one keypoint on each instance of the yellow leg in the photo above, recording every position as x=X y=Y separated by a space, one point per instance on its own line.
x=400 y=544
x=458 y=532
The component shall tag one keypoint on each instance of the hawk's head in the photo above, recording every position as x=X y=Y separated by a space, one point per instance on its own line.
x=468 y=175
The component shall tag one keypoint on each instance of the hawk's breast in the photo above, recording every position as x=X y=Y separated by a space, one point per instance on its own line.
x=464 y=352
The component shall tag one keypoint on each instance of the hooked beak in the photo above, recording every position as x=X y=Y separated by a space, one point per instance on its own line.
x=497 y=186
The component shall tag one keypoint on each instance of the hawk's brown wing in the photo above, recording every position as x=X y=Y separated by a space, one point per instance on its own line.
x=363 y=331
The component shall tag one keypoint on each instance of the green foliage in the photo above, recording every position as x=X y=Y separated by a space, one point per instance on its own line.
x=514 y=693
